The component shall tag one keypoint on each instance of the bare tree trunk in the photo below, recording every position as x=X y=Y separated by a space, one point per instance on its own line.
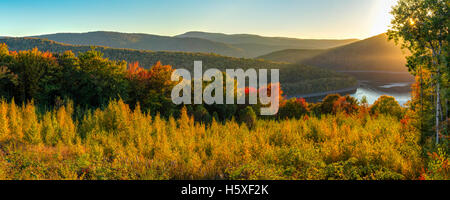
x=438 y=102
x=446 y=119
x=438 y=85
x=421 y=100
x=441 y=110
x=446 y=109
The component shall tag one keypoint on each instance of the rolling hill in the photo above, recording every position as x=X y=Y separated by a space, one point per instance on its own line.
x=271 y=41
x=256 y=45
x=372 y=54
x=241 y=46
x=145 y=42
x=295 y=78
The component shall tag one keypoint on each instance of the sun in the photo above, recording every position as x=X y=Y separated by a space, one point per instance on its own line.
x=382 y=17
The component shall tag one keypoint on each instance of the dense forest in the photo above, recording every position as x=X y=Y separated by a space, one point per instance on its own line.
x=306 y=79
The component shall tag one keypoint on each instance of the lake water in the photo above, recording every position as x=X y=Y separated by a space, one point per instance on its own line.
x=400 y=91
x=374 y=84
x=372 y=94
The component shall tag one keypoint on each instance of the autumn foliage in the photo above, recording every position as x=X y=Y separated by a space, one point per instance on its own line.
x=67 y=116
x=118 y=142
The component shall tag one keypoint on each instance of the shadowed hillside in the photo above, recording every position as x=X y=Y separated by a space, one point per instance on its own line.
x=296 y=78
x=372 y=54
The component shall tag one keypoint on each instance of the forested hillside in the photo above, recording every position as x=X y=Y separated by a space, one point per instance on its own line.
x=301 y=79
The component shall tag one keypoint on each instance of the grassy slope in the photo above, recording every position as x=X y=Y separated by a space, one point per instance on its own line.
x=115 y=144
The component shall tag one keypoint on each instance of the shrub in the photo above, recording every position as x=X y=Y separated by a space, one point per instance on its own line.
x=327 y=104
x=8 y=80
x=387 y=105
x=151 y=88
x=347 y=104
x=248 y=117
x=293 y=108
x=201 y=114
x=438 y=167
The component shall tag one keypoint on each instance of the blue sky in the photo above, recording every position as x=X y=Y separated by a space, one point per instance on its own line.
x=289 y=18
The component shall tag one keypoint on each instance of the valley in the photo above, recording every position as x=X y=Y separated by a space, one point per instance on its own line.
x=378 y=65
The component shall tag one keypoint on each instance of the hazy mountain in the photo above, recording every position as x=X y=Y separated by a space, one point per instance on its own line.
x=257 y=45
x=256 y=50
x=295 y=78
x=240 y=45
x=372 y=54
x=145 y=42
x=273 y=41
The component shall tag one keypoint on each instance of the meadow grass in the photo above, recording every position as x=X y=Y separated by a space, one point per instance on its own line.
x=119 y=143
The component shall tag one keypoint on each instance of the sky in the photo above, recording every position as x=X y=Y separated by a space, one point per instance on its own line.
x=308 y=19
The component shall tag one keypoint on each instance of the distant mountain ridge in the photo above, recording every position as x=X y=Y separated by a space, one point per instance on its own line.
x=240 y=45
x=372 y=54
x=140 y=41
x=259 y=45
